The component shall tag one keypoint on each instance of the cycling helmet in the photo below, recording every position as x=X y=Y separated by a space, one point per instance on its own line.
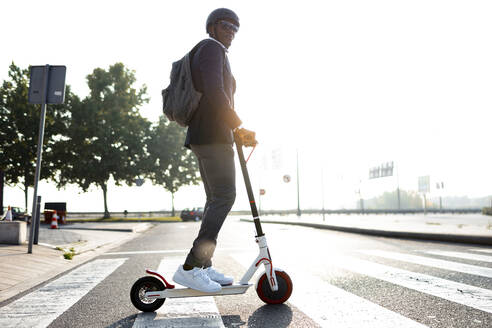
x=221 y=14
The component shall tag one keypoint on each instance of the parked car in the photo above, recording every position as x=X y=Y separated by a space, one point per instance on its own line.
x=195 y=214
x=17 y=214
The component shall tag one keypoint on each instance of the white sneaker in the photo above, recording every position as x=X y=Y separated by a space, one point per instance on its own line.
x=196 y=279
x=218 y=277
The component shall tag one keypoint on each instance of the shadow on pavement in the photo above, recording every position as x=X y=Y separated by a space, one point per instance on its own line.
x=232 y=321
x=126 y=322
x=274 y=316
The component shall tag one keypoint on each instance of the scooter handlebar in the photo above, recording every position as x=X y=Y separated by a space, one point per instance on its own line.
x=245 y=137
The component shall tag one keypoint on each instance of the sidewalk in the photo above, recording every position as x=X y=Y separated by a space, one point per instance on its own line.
x=21 y=271
x=466 y=228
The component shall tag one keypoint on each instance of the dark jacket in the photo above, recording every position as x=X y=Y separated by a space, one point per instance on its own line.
x=215 y=117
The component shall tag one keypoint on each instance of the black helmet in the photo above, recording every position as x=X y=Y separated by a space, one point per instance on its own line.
x=219 y=14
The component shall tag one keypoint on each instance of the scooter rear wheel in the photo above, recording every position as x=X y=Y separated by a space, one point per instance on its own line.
x=267 y=295
x=140 y=287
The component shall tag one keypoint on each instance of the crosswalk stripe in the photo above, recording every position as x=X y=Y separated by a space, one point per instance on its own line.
x=181 y=312
x=330 y=306
x=436 y=263
x=467 y=256
x=41 y=307
x=488 y=250
x=166 y=251
x=471 y=296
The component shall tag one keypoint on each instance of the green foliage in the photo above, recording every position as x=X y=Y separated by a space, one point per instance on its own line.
x=91 y=140
x=170 y=164
x=19 y=129
x=70 y=254
x=389 y=200
x=107 y=135
x=487 y=211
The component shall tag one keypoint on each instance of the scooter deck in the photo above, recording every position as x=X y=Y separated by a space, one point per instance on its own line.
x=188 y=292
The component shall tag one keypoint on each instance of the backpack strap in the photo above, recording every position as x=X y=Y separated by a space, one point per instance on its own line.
x=198 y=46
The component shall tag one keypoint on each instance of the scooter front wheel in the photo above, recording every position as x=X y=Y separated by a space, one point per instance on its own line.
x=267 y=295
x=140 y=287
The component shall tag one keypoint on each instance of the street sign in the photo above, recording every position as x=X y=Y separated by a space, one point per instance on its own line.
x=424 y=184
x=55 y=93
x=286 y=178
x=374 y=172
x=46 y=86
x=381 y=171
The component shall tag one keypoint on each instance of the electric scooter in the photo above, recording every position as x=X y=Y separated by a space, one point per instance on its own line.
x=274 y=286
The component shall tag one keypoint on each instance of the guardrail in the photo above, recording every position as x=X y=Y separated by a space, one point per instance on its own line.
x=377 y=211
x=150 y=214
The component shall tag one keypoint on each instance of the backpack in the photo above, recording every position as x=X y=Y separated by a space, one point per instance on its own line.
x=180 y=99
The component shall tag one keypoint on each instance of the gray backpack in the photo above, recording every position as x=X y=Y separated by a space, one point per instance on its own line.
x=180 y=99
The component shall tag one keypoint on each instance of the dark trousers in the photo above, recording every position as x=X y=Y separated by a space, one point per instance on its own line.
x=216 y=162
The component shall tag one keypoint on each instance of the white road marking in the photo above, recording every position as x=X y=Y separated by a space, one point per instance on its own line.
x=180 y=312
x=475 y=297
x=436 y=263
x=467 y=256
x=485 y=250
x=168 y=251
x=149 y=252
x=330 y=306
x=41 y=307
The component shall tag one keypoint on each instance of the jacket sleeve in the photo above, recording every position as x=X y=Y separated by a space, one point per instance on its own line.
x=211 y=61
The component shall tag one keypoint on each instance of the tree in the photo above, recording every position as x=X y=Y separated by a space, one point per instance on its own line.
x=171 y=165
x=19 y=129
x=107 y=135
x=389 y=200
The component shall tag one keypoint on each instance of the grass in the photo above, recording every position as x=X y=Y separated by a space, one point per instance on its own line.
x=67 y=255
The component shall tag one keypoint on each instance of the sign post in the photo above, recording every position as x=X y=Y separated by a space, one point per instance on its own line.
x=1 y=191
x=46 y=86
x=424 y=187
x=298 y=201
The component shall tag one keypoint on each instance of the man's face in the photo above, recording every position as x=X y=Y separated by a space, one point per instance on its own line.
x=225 y=31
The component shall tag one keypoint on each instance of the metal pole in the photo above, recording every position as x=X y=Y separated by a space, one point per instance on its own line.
x=425 y=204
x=322 y=192
x=36 y=219
x=2 y=175
x=40 y=151
x=398 y=186
x=298 y=202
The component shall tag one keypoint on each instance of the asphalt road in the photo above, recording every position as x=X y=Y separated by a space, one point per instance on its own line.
x=340 y=280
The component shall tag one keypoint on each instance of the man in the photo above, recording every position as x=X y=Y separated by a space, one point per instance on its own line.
x=210 y=137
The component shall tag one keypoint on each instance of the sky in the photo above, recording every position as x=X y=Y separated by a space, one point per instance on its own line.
x=345 y=85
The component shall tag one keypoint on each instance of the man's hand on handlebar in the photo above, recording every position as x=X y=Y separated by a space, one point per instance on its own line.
x=245 y=137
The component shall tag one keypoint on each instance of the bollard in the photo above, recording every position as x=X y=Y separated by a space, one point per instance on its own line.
x=33 y=225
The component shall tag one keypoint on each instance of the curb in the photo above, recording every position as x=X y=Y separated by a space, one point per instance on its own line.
x=453 y=238
x=11 y=294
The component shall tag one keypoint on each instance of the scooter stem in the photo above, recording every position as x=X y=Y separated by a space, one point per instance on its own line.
x=247 y=182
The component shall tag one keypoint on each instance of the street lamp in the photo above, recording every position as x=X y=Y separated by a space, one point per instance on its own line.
x=298 y=203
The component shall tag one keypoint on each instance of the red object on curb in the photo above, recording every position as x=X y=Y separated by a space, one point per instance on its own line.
x=54 y=221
